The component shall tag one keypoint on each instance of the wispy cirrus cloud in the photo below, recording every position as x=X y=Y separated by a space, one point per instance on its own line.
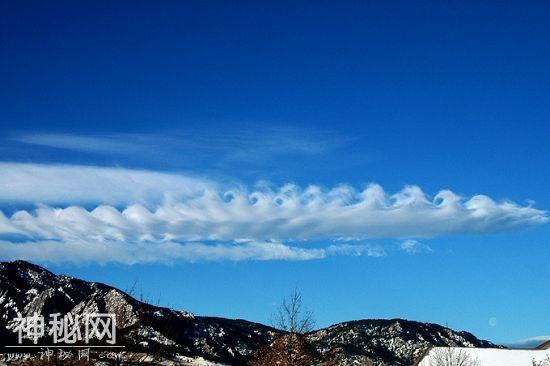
x=248 y=145
x=161 y=216
x=117 y=144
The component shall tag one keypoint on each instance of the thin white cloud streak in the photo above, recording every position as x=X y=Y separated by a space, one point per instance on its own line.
x=162 y=216
x=412 y=246
x=92 y=144
x=78 y=251
x=254 y=146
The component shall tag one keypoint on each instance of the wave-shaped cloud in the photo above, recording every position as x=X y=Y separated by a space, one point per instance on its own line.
x=160 y=216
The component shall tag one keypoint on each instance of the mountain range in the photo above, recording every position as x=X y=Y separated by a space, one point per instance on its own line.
x=159 y=333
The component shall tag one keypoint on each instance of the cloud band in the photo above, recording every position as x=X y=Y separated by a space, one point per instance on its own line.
x=137 y=210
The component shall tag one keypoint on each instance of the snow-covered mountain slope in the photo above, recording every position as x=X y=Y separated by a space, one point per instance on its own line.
x=394 y=342
x=148 y=329
x=27 y=288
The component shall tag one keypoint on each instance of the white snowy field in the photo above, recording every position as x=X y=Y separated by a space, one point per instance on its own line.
x=495 y=357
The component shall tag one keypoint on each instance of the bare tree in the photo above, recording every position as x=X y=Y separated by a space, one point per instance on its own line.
x=291 y=348
x=291 y=317
x=452 y=356
x=545 y=362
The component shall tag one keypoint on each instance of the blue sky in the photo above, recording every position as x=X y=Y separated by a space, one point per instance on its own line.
x=389 y=160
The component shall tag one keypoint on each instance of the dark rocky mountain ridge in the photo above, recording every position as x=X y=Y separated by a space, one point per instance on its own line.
x=143 y=328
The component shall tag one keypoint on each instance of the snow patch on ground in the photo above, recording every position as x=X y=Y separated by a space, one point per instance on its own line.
x=495 y=357
x=199 y=361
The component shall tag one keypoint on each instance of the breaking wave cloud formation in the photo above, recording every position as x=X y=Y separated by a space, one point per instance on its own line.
x=143 y=216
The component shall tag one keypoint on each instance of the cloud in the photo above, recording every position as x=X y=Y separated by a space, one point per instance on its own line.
x=62 y=184
x=251 y=146
x=81 y=251
x=412 y=246
x=134 y=203
x=356 y=250
x=150 y=216
x=94 y=144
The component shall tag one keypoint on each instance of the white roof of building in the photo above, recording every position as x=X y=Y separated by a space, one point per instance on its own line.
x=494 y=356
